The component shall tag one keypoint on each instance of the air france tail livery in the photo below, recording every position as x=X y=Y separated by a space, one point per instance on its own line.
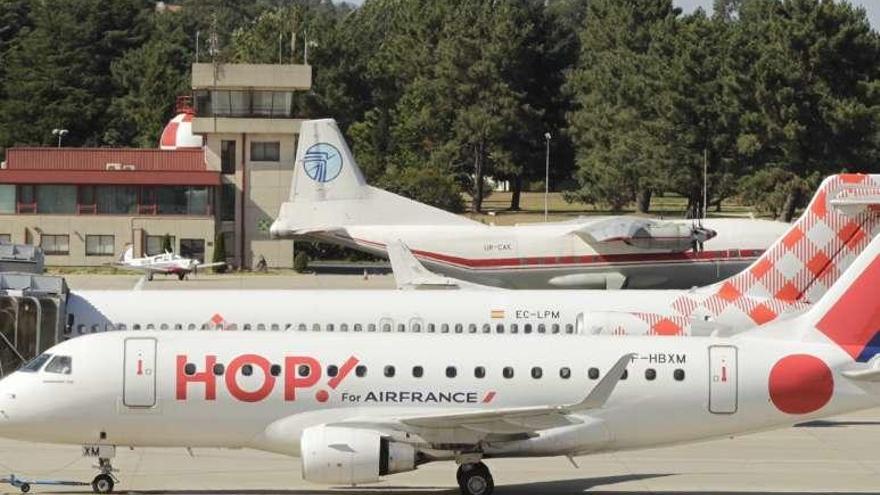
x=356 y=408
x=791 y=275
x=331 y=201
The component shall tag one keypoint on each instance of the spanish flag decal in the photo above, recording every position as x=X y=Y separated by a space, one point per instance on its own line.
x=497 y=314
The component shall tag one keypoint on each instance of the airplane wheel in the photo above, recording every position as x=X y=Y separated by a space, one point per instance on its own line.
x=25 y=487
x=102 y=483
x=475 y=479
x=150 y=277
x=181 y=276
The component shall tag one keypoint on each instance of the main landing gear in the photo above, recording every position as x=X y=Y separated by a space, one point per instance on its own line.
x=105 y=480
x=475 y=479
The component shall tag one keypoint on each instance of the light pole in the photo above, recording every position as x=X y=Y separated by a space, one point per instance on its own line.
x=60 y=133
x=547 y=176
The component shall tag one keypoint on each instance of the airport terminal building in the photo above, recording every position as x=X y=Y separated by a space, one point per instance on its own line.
x=223 y=167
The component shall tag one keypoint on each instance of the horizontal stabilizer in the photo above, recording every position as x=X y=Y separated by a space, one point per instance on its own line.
x=410 y=274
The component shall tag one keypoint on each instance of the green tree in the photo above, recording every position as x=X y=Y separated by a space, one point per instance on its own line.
x=809 y=88
x=148 y=79
x=57 y=73
x=617 y=126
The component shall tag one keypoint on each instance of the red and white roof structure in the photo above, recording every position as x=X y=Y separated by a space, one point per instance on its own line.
x=178 y=134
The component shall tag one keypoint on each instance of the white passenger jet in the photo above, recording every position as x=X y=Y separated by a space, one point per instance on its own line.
x=796 y=271
x=356 y=407
x=330 y=201
x=165 y=263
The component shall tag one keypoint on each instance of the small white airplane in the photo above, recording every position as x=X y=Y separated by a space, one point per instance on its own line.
x=165 y=263
x=330 y=201
x=357 y=407
x=843 y=216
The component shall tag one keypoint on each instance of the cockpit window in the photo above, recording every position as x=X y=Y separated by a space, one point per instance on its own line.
x=60 y=364
x=36 y=363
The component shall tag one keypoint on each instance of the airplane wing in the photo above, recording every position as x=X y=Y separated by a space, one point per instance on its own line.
x=145 y=269
x=504 y=421
x=410 y=274
x=209 y=265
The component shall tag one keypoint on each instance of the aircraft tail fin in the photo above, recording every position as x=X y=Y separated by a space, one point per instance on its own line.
x=127 y=254
x=328 y=190
x=841 y=219
x=849 y=313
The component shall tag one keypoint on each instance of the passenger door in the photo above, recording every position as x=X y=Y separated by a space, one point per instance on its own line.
x=722 y=379
x=139 y=372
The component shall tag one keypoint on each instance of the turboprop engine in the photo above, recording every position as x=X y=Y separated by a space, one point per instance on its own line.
x=337 y=455
x=675 y=237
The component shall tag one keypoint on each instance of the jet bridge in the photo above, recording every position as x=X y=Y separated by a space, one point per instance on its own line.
x=32 y=316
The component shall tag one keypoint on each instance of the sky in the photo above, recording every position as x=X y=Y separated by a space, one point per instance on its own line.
x=872 y=6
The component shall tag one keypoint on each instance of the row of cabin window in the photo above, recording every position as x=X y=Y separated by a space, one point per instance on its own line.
x=389 y=371
x=527 y=328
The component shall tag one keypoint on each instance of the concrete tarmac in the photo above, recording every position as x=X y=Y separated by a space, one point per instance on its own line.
x=232 y=281
x=833 y=456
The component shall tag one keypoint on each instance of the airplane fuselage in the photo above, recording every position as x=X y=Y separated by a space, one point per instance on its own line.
x=260 y=391
x=551 y=256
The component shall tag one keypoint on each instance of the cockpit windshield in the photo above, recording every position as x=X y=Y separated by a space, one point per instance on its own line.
x=62 y=365
x=36 y=363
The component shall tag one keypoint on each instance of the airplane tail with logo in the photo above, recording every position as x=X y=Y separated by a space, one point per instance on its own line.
x=849 y=314
x=128 y=254
x=800 y=267
x=329 y=192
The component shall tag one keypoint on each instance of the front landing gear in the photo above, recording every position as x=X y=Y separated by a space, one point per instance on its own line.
x=475 y=479
x=105 y=480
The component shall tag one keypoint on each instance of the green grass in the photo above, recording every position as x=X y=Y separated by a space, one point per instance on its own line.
x=532 y=203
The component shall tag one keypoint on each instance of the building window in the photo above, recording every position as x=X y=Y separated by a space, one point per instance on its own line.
x=195 y=249
x=154 y=244
x=268 y=151
x=55 y=199
x=116 y=200
x=7 y=199
x=227 y=157
x=99 y=245
x=55 y=244
x=227 y=202
x=149 y=196
x=27 y=202
x=183 y=200
x=86 y=203
x=5 y=238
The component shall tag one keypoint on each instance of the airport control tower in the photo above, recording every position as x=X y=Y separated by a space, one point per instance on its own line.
x=247 y=115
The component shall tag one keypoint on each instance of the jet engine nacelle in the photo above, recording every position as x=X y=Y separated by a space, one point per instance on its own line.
x=337 y=455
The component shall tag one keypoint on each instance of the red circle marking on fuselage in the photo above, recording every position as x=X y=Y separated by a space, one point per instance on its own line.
x=800 y=384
